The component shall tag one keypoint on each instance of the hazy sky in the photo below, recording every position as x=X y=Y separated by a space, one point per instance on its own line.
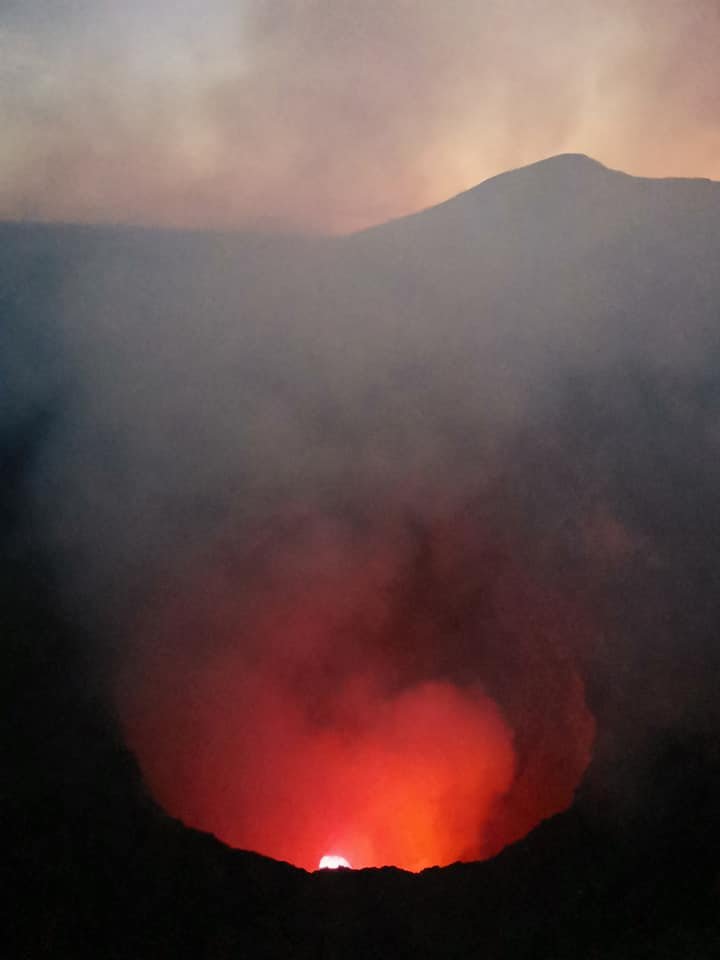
x=333 y=115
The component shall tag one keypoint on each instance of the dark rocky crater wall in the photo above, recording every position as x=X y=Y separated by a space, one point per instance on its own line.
x=414 y=529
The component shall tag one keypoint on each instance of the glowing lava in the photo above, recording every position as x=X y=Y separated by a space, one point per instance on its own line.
x=331 y=861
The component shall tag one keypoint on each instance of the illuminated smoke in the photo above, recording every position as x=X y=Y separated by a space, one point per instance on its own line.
x=335 y=704
x=337 y=115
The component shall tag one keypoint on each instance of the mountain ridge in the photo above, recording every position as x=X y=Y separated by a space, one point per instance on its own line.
x=548 y=172
x=565 y=173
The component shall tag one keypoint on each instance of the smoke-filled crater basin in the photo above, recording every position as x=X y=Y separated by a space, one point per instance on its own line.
x=397 y=692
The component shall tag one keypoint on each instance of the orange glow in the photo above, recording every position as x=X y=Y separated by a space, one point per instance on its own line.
x=308 y=725
x=407 y=784
x=332 y=861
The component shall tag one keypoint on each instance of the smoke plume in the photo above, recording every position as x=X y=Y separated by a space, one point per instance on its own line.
x=328 y=506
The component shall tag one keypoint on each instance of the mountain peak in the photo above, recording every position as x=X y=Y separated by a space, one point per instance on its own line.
x=553 y=180
x=568 y=161
x=562 y=169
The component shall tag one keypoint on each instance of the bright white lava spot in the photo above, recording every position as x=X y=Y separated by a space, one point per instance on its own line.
x=331 y=862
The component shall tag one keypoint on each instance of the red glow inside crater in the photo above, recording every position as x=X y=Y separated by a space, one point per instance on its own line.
x=406 y=705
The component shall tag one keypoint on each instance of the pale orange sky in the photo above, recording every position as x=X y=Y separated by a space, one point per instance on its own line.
x=323 y=115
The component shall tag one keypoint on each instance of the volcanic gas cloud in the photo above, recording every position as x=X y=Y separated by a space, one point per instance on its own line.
x=394 y=693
